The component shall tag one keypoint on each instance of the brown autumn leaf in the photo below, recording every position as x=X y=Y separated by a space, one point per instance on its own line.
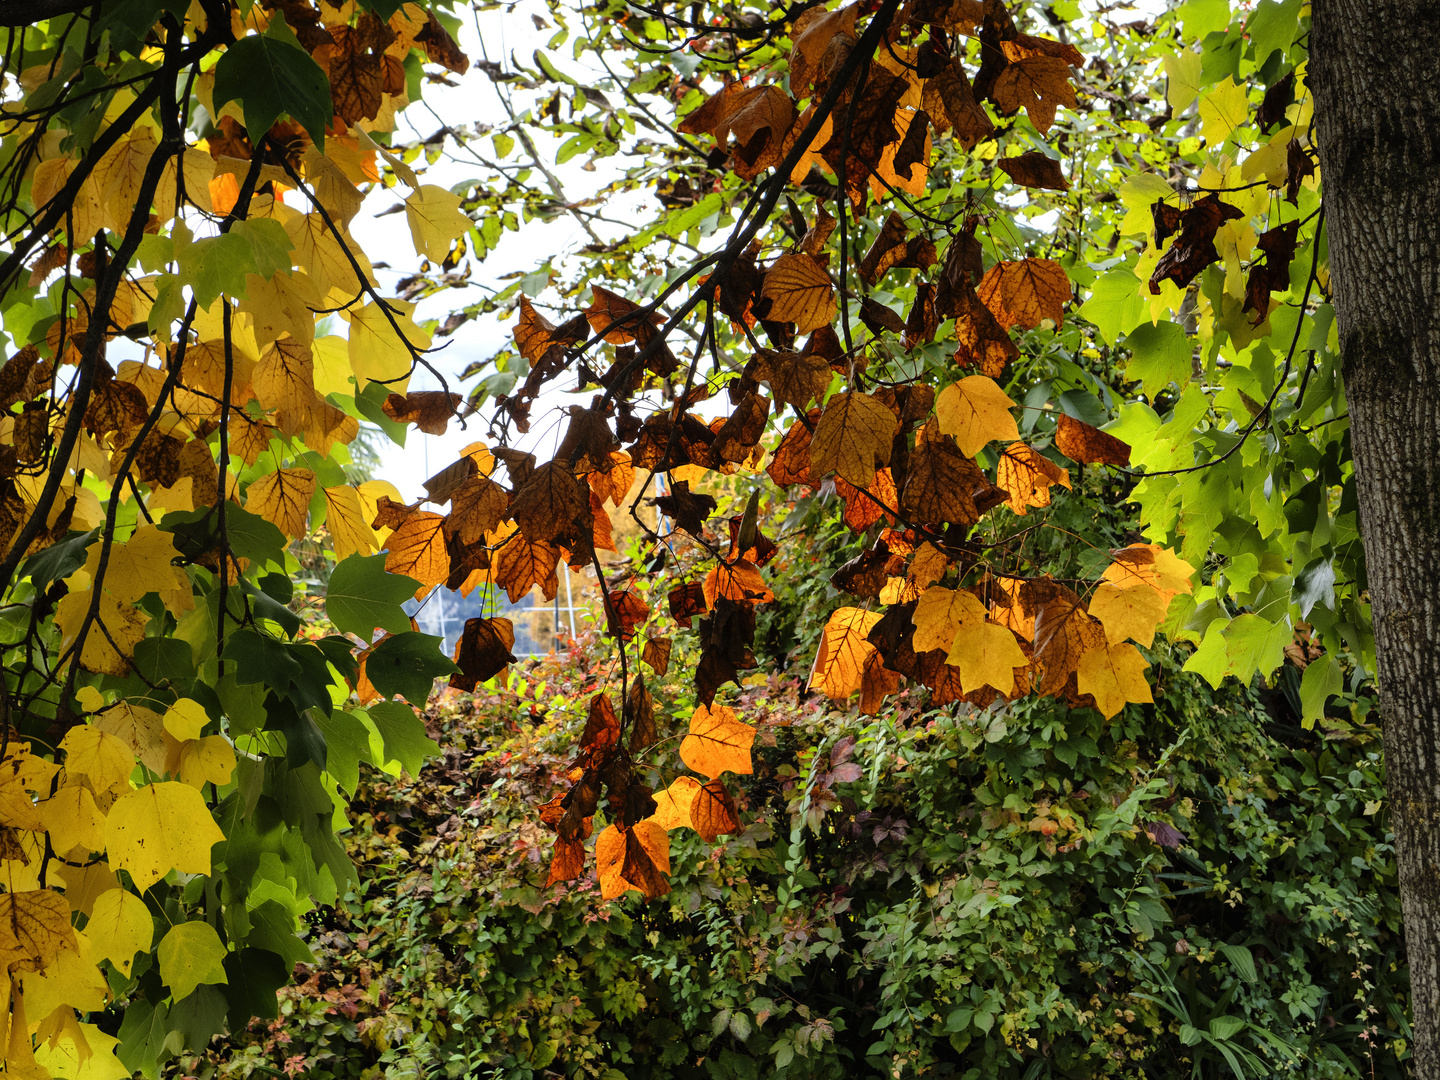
x=1272 y=275
x=389 y=514
x=602 y=727
x=740 y=434
x=640 y=714
x=922 y=322
x=877 y=317
x=982 y=344
x=790 y=463
x=812 y=34
x=1035 y=170
x=1028 y=475
x=547 y=506
x=657 y=654
x=618 y=318
x=687 y=510
x=568 y=861
x=876 y=683
x=612 y=485
x=950 y=101
x=760 y=119
x=625 y=611
x=886 y=251
x=794 y=378
x=713 y=813
x=1298 y=165
x=941 y=483
x=483 y=652
x=961 y=16
x=1080 y=442
x=865 y=575
x=1038 y=84
x=1064 y=632
x=813 y=242
x=1026 y=293
x=521 y=564
x=1023 y=45
x=476 y=508
x=686 y=601
x=853 y=438
x=1194 y=248
x=429 y=410
x=800 y=292
x=535 y=335
x=865 y=506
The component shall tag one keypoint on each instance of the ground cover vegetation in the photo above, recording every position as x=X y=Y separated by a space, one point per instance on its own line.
x=954 y=241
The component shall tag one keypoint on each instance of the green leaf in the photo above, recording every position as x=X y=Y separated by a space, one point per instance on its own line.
x=250 y=536
x=272 y=927
x=1322 y=680
x=270 y=245
x=1115 y=305
x=1226 y=1028
x=190 y=954
x=142 y=1037
x=260 y=658
x=199 y=1017
x=255 y=975
x=1272 y=26
x=269 y=77
x=347 y=743
x=1243 y=961
x=408 y=664
x=213 y=264
x=1315 y=585
x=362 y=596
x=404 y=735
x=1160 y=355
x=58 y=560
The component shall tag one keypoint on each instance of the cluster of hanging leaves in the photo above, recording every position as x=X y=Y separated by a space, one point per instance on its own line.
x=936 y=479
x=174 y=748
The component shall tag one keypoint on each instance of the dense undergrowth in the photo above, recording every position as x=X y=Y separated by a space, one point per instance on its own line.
x=1198 y=888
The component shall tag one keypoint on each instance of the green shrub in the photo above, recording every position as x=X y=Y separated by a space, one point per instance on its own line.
x=1190 y=889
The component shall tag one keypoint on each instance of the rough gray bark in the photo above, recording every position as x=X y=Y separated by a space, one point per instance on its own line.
x=1375 y=73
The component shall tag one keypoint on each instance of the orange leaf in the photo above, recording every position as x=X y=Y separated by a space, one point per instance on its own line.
x=1080 y=442
x=712 y=812
x=1026 y=293
x=673 y=805
x=800 y=292
x=1027 y=475
x=717 y=742
x=417 y=548
x=839 y=667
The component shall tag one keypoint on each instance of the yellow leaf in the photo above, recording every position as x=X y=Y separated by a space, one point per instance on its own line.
x=332 y=188
x=1113 y=675
x=378 y=351
x=940 y=612
x=839 y=666
x=64 y=1059
x=70 y=980
x=435 y=220
x=210 y=760
x=717 y=742
x=673 y=805
x=161 y=827
x=283 y=304
x=1128 y=613
x=186 y=719
x=283 y=497
x=371 y=492
x=345 y=519
x=1223 y=110
x=332 y=365
x=190 y=954
x=1027 y=293
x=800 y=291
x=1151 y=565
x=120 y=926
x=73 y=820
x=22 y=772
x=986 y=654
x=319 y=253
x=975 y=411
x=99 y=757
x=140 y=565
x=139 y=728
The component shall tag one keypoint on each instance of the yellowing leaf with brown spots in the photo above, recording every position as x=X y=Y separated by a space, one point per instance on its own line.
x=1028 y=475
x=1150 y=565
x=417 y=549
x=718 y=742
x=123 y=625
x=839 y=668
x=161 y=827
x=800 y=292
x=34 y=928
x=975 y=411
x=283 y=497
x=854 y=438
x=1026 y=293
x=1113 y=675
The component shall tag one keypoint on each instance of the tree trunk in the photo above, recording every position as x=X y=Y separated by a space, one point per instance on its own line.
x=1375 y=74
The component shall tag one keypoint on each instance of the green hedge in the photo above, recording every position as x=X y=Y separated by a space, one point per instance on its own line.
x=1193 y=889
